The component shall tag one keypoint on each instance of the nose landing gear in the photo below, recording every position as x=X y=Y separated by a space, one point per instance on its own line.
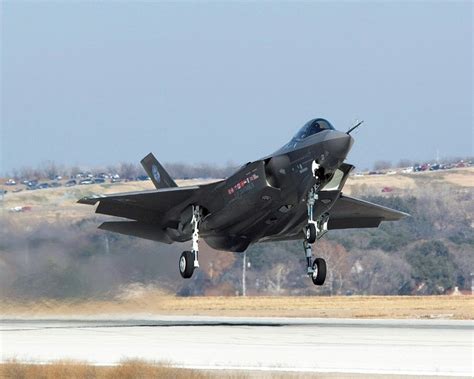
x=314 y=230
x=186 y=267
x=315 y=269
x=319 y=271
x=189 y=260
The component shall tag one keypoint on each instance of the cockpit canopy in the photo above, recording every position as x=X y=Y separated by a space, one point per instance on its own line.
x=312 y=127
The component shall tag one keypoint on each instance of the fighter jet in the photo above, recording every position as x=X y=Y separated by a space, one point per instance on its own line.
x=293 y=194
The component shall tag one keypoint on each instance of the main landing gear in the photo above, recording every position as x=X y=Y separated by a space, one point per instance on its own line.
x=314 y=230
x=189 y=260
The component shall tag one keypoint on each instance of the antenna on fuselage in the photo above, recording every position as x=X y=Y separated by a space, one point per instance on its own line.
x=355 y=127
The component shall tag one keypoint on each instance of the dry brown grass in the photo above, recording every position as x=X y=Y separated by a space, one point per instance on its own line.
x=155 y=303
x=136 y=369
x=403 y=183
x=59 y=204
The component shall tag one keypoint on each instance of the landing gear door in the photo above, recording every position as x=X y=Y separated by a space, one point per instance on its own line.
x=339 y=178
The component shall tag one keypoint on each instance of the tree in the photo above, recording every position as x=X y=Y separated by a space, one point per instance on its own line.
x=382 y=165
x=433 y=267
x=337 y=259
x=405 y=163
x=129 y=170
x=49 y=169
x=377 y=273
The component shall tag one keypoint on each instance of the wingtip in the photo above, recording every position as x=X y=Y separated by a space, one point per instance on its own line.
x=89 y=200
x=402 y=215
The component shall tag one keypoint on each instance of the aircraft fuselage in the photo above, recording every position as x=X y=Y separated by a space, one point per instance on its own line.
x=268 y=197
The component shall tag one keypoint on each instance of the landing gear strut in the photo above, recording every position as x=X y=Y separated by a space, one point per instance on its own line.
x=314 y=230
x=189 y=260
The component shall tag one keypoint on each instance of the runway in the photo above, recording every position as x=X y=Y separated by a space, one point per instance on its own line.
x=411 y=347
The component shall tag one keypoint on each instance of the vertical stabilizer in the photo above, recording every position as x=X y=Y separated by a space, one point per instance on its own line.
x=157 y=173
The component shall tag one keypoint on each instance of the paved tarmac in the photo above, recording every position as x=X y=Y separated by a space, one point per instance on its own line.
x=408 y=347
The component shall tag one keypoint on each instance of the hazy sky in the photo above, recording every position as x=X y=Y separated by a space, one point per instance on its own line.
x=98 y=83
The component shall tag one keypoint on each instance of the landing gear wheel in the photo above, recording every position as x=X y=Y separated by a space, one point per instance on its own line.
x=311 y=233
x=319 y=271
x=186 y=264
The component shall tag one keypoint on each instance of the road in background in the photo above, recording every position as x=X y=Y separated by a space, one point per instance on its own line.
x=306 y=345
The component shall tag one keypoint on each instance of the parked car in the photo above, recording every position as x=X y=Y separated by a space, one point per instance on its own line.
x=143 y=177
x=21 y=209
x=70 y=183
x=86 y=181
x=42 y=186
x=99 y=180
x=10 y=182
x=32 y=183
x=54 y=184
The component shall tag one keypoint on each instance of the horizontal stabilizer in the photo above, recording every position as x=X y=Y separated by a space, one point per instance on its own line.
x=137 y=229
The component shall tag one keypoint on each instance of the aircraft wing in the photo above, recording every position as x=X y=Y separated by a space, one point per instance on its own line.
x=349 y=212
x=159 y=207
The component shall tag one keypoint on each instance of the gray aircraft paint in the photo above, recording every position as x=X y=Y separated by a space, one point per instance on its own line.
x=264 y=200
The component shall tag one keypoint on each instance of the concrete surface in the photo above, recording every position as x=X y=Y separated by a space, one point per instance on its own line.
x=409 y=347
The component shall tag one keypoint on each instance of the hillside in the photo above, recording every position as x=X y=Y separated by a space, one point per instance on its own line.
x=53 y=204
x=50 y=247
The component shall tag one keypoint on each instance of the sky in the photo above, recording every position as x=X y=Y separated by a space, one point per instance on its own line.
x=98 y=83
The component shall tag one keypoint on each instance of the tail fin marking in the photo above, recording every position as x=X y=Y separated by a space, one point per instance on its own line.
x=157 y=173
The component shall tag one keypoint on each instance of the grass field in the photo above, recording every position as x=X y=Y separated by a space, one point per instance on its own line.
x=136 y=369
x=399 y=307
x=60 y=204
x=79 y=370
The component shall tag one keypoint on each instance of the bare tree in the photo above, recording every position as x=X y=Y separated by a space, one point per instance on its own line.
x=74 y=170
x=49 y=169
x=382 y=165
x=29 y=173
x=405 y=163
x=128 y=170
x=338 y=259
x=377 y=273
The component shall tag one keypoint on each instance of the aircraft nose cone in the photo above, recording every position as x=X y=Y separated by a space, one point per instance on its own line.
x=338 y=144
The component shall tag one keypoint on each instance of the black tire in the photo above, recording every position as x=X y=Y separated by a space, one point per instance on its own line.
x=186 y=264
x=319 y=275
x=311 y=233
